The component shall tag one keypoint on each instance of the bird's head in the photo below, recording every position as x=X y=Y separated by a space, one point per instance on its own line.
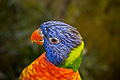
x=58 y=39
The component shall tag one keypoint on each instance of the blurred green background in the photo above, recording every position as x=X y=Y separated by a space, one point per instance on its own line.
x=98 y=21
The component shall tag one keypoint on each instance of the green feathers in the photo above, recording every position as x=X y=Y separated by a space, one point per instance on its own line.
x=74 y=58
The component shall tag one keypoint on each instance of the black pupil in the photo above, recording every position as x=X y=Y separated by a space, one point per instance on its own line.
x=54 y=40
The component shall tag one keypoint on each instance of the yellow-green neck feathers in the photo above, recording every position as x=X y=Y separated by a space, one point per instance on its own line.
x=74 y=58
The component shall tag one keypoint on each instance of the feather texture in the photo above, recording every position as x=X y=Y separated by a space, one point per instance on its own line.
x=42 y=69
x=63 y=45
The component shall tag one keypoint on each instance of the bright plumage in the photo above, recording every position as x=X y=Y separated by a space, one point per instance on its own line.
x=63 y=45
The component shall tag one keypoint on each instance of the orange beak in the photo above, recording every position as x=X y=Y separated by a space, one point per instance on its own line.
x=36 y=37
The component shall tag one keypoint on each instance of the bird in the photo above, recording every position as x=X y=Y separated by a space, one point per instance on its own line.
x=61 y=60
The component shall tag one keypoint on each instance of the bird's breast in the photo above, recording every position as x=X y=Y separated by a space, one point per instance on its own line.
x=42 y=69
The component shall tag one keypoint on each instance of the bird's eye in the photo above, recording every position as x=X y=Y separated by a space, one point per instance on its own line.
x=54 y=40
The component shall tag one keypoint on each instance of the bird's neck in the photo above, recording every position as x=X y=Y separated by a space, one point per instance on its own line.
x=73 y=59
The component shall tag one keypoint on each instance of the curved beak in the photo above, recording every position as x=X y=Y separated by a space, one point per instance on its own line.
x=37 y=37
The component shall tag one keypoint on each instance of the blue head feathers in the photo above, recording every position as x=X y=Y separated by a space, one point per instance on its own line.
x=59 y=39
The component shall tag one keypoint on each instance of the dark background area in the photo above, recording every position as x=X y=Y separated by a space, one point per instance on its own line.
x=98 y=21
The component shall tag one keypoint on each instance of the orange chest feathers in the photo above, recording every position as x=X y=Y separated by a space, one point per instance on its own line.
x=42 y=69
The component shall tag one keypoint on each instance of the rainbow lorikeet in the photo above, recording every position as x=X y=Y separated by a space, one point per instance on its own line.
x=64 y=47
